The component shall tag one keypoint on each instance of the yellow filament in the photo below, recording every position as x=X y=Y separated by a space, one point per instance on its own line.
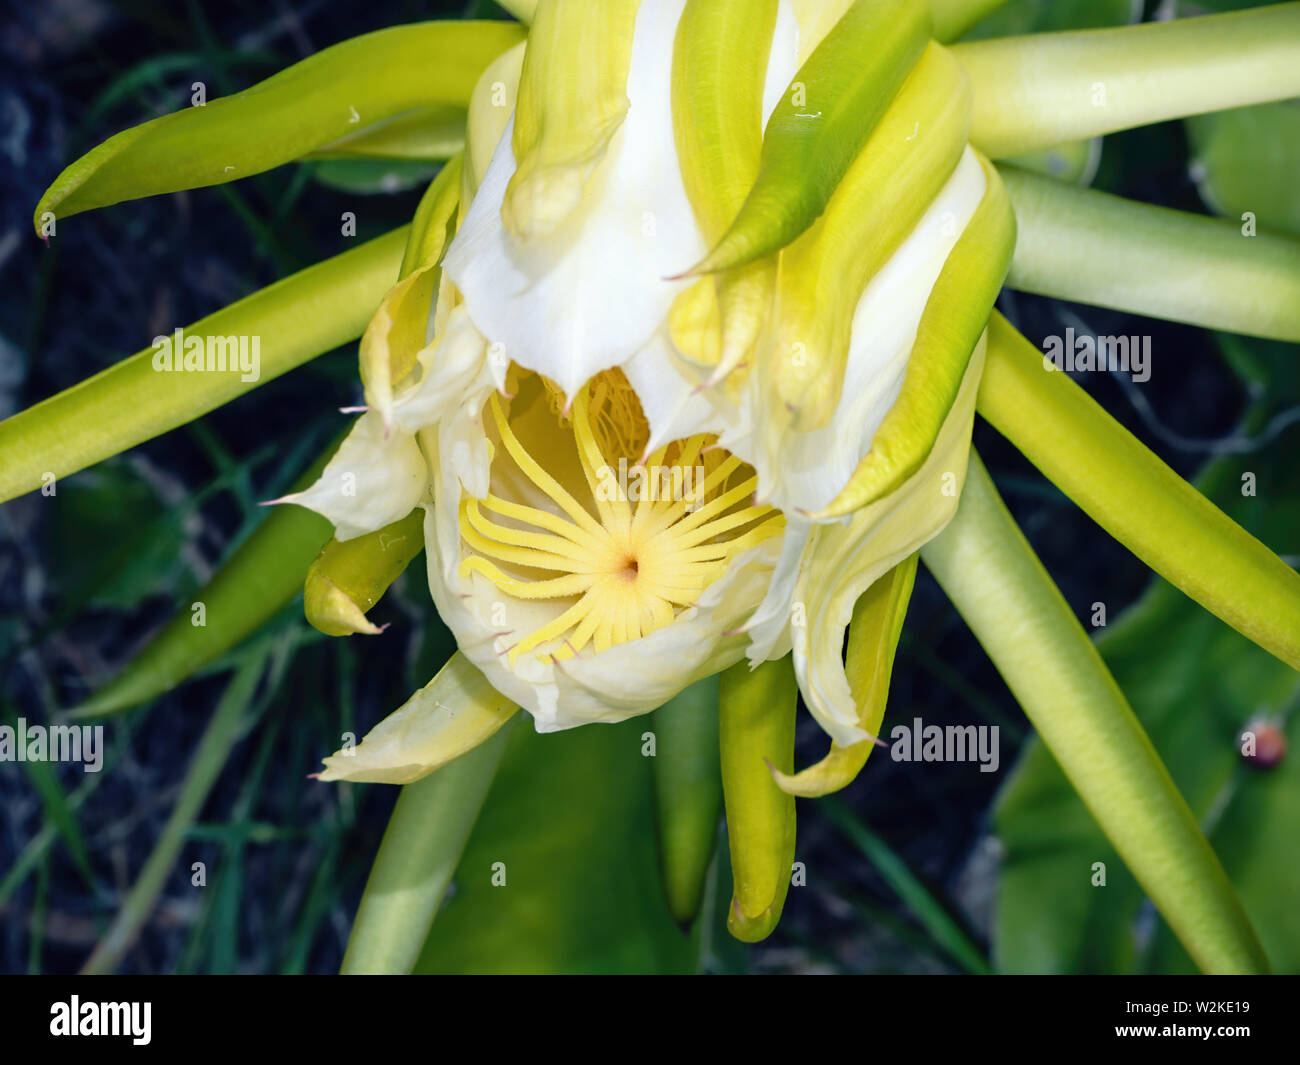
x=625 y=561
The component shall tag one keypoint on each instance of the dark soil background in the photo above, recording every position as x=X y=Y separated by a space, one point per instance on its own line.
x=292 y=854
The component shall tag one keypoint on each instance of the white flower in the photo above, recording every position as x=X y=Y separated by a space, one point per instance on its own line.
x=552 y=398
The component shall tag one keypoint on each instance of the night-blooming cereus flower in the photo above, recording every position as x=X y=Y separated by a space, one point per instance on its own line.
x=635 y=474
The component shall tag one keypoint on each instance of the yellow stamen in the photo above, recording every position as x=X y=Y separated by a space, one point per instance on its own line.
x=640 y=546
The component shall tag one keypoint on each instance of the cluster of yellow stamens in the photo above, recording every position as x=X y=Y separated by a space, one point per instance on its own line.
x=646 y=538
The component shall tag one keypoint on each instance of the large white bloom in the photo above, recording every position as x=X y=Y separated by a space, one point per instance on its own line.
x=553 y=361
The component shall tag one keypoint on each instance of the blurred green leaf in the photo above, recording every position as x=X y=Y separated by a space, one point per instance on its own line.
x=571 y=820
x=369 y=177
x=223 y=732
x=118 y=504
x=1051 y=16
x=1246 y=160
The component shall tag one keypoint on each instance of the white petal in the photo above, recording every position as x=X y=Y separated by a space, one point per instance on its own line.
x=371 y=481
x=589 y=295
x=772 y=620
x=847 y=558
x=808 y=470
x=452 y=714
x=454 y=369
x=783 y=63
x=668 y=387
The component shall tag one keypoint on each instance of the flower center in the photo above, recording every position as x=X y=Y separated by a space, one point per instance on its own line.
x=627 y=544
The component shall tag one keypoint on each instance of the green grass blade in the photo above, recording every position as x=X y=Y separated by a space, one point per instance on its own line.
x=1091 y=247
x=59 y=810
x=36 y=849
x=934 y=917
x=296 y=319
x=1136 y=498
x=421 y=848
x=347 y=89
x=1043 y=89
x=987 y=568
x=209 y=759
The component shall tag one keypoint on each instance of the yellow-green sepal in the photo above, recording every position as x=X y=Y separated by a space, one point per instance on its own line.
x=342 y=90
x=436 y=132
x=756 y=716
x=821 y=123
x=890 y=185
x=954 y=320
x=869 y=663
x=399 y=330
x=491 y=105
x=572 y=100
x=347 y=579
x=717 y=95
x=987 y=568
x=688 y=794
x=452 y=714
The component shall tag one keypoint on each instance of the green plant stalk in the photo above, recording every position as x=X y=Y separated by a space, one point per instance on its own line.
x=688 y=794
x=952 y=18
x=1091 y=247
x=263 y=574
x=214 y=749
x=1040 y=90
x=347 y=89
x=297 y=318
x=987 y=568
x=1136 y=498
x=524 y=10
x=421 y=848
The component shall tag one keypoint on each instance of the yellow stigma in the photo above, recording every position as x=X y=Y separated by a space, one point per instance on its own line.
x=623 y=545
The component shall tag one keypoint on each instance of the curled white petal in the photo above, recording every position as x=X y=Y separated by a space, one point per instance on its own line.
x=847 y=558
x=373 y=480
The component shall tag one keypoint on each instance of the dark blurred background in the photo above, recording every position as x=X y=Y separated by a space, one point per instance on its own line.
x=86 y=578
